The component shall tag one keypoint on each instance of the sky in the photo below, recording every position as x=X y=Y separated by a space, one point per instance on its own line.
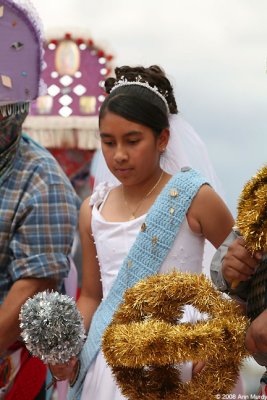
x=213 y=51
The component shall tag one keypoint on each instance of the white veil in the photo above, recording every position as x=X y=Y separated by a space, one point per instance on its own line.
x=185 y=148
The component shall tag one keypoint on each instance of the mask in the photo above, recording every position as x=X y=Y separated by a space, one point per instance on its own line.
x=10 y=133
x=10 y=130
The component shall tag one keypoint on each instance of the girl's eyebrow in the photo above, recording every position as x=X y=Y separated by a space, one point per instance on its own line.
x=105 y=135
x=109 y=135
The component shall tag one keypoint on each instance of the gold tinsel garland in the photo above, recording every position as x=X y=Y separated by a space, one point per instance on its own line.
x=252 y=212
x=145 y=341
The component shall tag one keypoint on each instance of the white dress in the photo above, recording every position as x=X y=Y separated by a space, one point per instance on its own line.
x=113 y=241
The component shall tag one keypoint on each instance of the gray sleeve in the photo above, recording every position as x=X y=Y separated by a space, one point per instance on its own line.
x=216 y=271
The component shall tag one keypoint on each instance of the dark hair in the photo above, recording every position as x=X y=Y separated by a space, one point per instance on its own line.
x=138 y=103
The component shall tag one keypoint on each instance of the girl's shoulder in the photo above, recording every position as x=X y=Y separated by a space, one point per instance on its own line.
x=100 y=192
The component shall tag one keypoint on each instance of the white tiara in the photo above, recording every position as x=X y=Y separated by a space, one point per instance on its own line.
x=124 y=82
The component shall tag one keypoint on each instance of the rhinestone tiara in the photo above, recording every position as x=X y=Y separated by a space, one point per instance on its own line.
x=124 y=82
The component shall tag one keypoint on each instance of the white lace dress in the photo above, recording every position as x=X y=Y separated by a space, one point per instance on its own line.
x=113 y=241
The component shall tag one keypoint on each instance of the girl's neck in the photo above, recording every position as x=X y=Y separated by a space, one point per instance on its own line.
x=136 y=203
x=143 y=189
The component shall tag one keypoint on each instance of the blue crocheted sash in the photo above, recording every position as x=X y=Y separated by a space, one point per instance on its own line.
x=144 y=258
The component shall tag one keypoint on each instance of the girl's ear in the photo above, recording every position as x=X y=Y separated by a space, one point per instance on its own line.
x=163 y=139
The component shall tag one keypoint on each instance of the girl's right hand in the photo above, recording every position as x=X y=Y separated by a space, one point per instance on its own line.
x=66 y=371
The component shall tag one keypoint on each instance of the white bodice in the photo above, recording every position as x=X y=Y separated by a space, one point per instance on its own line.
x=113 y=241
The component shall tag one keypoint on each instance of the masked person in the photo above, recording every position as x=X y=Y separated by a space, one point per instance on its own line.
x=38 y=206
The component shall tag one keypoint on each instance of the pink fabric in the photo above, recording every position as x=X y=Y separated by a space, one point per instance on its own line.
x=62 y=389
x=71 y=282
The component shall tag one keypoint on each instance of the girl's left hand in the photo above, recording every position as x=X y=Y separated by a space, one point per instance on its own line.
x=197 y=367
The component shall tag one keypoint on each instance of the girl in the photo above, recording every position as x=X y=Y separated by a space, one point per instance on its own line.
x=135 y=132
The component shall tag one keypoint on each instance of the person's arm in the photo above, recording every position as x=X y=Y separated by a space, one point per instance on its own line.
x=217 y=261
x=91 y=290
x=232 y=266
x=238 y=264
x=39 y=249
x=10 y=308
x=45 y=228
x=209 y=216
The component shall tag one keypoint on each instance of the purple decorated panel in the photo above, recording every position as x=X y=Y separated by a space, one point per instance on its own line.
x=74 y=77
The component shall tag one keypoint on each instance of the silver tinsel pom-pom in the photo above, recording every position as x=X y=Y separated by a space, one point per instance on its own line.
x=52 y=327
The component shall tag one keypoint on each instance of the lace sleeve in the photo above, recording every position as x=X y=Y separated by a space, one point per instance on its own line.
x=100 y=192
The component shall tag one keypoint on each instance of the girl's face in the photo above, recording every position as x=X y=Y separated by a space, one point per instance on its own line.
x=131 y=150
